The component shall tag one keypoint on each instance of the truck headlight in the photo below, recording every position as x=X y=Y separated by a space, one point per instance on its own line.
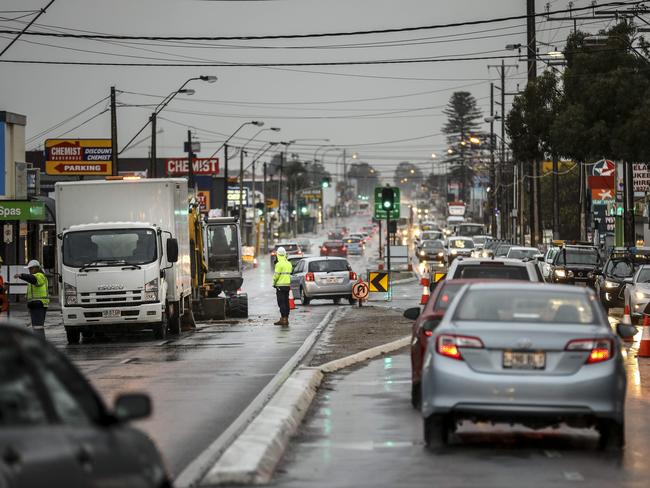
x=151 y=291
x=610 y=284
x=441 y=254
x=453 y=251
x=641 y=296
x=421 y=253
x=70 y=294
x=560 y=273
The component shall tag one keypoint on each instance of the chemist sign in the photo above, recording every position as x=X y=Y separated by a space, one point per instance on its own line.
x=200 y=166
x=78 y=157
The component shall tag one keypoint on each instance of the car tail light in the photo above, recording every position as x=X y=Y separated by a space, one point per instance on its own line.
x=344 y=248
x=599 y=349
x=272 y=253
x=353 y=276
x=309 y=276
x=448 y=345
x=324 y=249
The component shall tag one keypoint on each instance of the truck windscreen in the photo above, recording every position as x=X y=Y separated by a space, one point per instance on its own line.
x=109 y=247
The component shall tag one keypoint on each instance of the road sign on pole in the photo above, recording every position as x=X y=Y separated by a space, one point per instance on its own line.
x=378 y=281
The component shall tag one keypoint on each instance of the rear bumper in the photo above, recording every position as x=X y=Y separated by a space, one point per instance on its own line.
x=314 y=290
x=142 y=314
x=451 y=386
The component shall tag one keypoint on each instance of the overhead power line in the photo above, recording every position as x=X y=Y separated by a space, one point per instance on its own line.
x=323 y=34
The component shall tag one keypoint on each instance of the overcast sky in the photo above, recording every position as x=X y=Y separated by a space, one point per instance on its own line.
x=412 y=94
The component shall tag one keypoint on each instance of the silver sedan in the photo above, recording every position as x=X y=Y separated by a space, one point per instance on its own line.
x=637 y=292
x=323 y=278
x=528 y=353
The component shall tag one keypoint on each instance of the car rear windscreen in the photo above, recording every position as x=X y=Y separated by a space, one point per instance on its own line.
x=288 y=247
x=447 y=295
x=329 y=266
x=528 y=306
x=492 y=272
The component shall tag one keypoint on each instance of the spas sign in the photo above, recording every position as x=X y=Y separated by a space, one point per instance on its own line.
x=20 y=210
x=78 y=157
x=200 y=166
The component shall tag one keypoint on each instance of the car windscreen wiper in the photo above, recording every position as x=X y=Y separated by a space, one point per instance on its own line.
x=107 y=262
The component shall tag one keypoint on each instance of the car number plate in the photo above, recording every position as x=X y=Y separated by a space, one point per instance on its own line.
x=111 y=313
x=581 y=283
x=524 y=360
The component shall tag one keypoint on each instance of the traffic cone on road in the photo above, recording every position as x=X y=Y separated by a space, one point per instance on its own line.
x=254 y=263
x=292 y=302
x=425 y=295
x=644 y=347
x=627 y=320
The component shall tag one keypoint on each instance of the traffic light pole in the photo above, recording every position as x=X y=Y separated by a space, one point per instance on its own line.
x=388 y=243
x=381 y=251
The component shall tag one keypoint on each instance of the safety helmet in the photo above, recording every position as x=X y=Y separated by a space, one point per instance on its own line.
x=281 y=251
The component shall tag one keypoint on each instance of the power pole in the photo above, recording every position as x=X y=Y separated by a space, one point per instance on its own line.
x=492 y=200
x=556 y=199
x=531 y=50
x=282 y=156
x=190 y=168
x=153 y=170
x=225 y=181
x=114 y=131
x=264 y=214
x=241 y=191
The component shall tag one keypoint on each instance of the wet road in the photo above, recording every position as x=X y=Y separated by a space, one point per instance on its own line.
x=362 y=432
x=202 y=380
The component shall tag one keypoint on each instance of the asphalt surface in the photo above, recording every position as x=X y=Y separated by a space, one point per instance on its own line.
x=201 y=380
x=362 y=432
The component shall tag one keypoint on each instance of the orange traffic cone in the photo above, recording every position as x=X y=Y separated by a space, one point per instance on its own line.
x=254 y=263
x=425 y=295
x=292 y=302
x=644 y=347
x=627 y=320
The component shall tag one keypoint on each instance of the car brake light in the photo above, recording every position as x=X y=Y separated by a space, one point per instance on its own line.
x=428 y=333
x=353 y=276
x=273 y=253
x=448 y=345
x=309 y=276
x=324 y=248
x=599 y=349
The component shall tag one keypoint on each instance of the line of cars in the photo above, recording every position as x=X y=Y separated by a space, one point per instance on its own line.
x=496 y=343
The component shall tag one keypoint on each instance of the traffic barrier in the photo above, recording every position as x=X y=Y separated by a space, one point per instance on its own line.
x=627 y=320
x=425 y=295
x=424 y=281
x=292 y=301
x=644 y=347
x=254 y=263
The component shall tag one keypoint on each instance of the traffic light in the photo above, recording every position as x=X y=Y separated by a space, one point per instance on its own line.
x=326 y=182
x=260 y=208
x=387 y=199
x=304 y=210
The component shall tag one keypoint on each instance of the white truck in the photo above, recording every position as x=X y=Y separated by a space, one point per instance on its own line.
x=123 y=255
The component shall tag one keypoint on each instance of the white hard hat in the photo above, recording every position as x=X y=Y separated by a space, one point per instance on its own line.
x=281 y=251
x=33 y=264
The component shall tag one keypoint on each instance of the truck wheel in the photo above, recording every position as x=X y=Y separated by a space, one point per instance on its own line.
x=173 y=318
x=73 y=334
x=304 y=299
x=237 y=306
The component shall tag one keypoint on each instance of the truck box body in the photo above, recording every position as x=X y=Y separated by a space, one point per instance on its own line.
x=108 y=220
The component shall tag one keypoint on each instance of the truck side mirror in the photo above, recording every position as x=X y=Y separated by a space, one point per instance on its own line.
x=172 y=250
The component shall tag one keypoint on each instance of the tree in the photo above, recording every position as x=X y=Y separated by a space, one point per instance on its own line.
x=408 y=177
x=366 y=177
x=463 y=122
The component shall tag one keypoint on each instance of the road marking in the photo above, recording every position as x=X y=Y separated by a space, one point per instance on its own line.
x=573 y=476
x=129 y=360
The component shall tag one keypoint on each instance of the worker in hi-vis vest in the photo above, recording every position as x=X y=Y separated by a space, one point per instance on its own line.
x=281 y=283
x=38 y=296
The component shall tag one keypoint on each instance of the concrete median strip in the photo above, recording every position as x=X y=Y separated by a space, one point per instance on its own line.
x=254 y=455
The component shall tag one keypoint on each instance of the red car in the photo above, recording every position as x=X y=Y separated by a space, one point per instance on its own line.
x=423 y=327
x=334 y=248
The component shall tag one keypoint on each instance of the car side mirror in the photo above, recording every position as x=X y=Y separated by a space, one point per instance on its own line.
x=628 y=281
x=412 y=313
x=132 y=406
x=626 y=331
x=172 y=250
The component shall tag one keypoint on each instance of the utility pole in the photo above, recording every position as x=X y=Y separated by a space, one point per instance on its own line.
x=114 y=131
x=254 y=238
x=282 y=156
x=531 y=50
x=225 y=181
x=492 y=201
x=556 y=199
x=190 y=163
x=264 y=214
x=153 y=170
x=241 y=191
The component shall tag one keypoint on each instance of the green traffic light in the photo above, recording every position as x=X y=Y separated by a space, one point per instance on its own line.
x=304 y=210
x=325 y=184
x=387 y=204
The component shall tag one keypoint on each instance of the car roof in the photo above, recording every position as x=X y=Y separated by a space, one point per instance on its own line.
x=524 y=248
x=528 y=286
x=323 y=258
x=486 y=261
x=286 y=244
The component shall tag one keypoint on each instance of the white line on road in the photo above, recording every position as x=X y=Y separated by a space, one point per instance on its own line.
x=573 y=476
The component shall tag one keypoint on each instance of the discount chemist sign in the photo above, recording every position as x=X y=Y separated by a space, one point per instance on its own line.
x=20 y=210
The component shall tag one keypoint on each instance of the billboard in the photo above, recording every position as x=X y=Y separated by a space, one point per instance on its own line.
x=78 y=157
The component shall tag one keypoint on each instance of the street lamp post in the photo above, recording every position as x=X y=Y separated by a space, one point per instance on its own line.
x=159 y=108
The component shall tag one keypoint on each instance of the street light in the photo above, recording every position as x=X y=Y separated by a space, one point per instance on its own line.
x=241 y=171
x=474 y=140
x=159 y=108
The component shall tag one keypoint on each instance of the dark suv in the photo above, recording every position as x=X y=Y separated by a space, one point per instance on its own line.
x=576 y=264
x=621 y=264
